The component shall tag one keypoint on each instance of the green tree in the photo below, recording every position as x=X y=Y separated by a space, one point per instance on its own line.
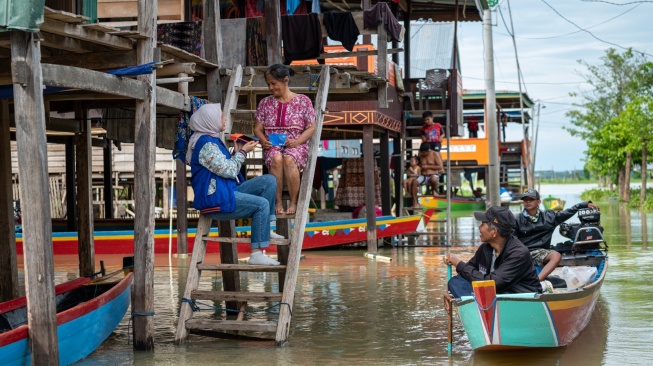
x=617 y=81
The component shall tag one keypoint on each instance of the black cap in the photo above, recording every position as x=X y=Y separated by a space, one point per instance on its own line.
x=532 y=193
x=500 y=217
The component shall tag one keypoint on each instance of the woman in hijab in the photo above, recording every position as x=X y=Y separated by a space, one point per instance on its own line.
x=220 y=191
x=292 y=116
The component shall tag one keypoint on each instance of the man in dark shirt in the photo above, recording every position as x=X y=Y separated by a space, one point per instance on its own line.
x=535 y=229
x=501 y=257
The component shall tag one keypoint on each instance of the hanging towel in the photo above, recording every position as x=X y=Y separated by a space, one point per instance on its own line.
x=302 y=37
x=291 y=6
x=257 y=54
x=373 y=17
x=256 y=8
x=315 y=8
x=342 y=27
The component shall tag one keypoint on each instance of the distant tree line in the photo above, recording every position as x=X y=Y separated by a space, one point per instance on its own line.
x=616 y=119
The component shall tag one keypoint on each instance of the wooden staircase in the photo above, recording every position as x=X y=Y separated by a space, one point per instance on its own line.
x=289 y=250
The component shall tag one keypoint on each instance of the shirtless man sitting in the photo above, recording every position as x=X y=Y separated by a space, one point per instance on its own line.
x=430 y=169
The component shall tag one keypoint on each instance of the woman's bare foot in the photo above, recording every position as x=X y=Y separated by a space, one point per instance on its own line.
x=292 y=207
x=279 y=209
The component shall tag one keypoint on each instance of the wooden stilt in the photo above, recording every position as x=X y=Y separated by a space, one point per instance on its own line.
x=180 y=178
x=273 y=31
x=85 y=244
x=370 y=200
x=144 y=157
x=8 y=270
x=35 y=205
x=108 y=183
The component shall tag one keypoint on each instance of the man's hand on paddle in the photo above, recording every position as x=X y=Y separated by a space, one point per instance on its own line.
x=450 y=259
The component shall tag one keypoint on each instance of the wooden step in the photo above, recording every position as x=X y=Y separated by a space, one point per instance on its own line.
x=243 y=111
x=266 y=90
x=240 y=268
x=224 y=325
x=236 y=296
x=245 y=240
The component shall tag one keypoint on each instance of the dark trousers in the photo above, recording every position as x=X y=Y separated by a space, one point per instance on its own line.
x=458 y=286
x=473 y=134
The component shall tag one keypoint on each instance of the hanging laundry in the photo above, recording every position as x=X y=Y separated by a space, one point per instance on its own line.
x=257 y=53
x=184 y=35
x=373 y=17
x=256 y=8
x=183 y=130
x=342 y=27
x=291 y=6
x=315 y=7
x=302 y=37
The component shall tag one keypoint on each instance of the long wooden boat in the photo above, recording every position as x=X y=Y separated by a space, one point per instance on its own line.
x=88 y=311
x=316 y=235
x=457 y=203
x=506 y=321
x=552 y=203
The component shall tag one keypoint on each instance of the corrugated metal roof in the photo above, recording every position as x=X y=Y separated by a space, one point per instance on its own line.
x=431 y=47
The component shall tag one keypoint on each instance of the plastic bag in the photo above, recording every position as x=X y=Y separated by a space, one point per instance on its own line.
x=577 y=277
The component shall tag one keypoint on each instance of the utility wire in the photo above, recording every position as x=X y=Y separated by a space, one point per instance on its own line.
x=592 y=34
x=578 y=31
x=618 y=4
x=532 y=83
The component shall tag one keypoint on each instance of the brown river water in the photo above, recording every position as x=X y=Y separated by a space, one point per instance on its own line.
x=353 y=310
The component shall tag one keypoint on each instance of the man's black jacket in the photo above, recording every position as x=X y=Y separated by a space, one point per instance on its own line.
x=513 y=268
x=538 y=234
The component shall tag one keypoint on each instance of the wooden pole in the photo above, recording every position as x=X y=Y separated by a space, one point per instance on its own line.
x=8 y=270
x=85 y=244
x=144 y=158
x=181 y=189
x=382 y=60
x=35 y=204
x=213 y=49
x=370 y=196
x=71 y=206
x=273 y=31
x=385 y=173
x=108 y=182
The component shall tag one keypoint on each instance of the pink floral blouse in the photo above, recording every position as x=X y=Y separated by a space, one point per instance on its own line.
x=291 y=118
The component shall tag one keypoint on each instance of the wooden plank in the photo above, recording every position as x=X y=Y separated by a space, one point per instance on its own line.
x=78 y=78
x=178 y=52
x=224 y=239
x=193 y=278
x=8 y=269
x=69 y=44
x=273 y=31
x=85 y=243
x=301 y=218
x=225 y=325
x=382 y=60
x=171 y=98
x=64 y=16
x=231 y=100
x=370 y=201
x=239 y=267
x=357 y=53
x=35 y=201
x=213 y=48
x=85 y=34
x=144 y=155
x=236 y=296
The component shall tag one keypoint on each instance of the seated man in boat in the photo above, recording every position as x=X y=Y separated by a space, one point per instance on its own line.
x=501 y=257
x=535 y=229
x=429 y=173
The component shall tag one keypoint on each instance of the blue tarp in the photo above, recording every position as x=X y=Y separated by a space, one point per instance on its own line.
x=7 y=91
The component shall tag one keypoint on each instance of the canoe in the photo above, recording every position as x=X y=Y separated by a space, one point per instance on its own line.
x=552 y=203
x=457 y=203
x=88 y=311
x=508 y=321
x=316 y=235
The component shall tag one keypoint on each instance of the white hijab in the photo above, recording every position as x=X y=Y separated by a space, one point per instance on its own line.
x=206 y=121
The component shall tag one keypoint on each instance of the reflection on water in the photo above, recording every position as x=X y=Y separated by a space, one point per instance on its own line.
x=349 y=309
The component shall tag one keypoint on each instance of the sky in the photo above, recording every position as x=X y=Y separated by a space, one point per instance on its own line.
x=549 y=47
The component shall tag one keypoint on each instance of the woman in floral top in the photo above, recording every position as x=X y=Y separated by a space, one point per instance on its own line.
x=285 y=112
